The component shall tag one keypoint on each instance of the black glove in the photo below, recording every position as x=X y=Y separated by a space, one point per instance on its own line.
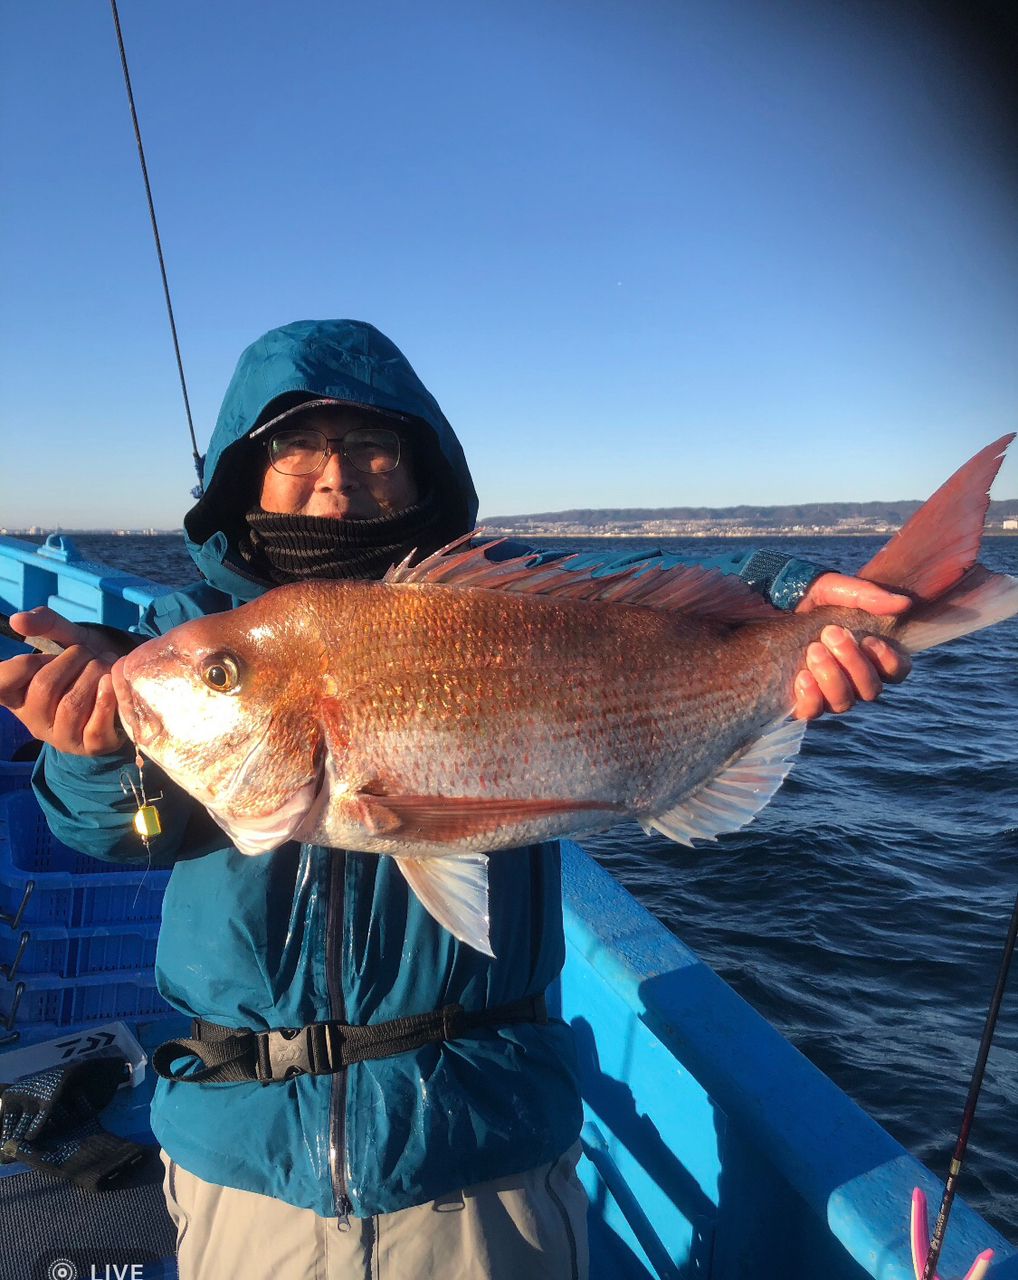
x=49 y=1121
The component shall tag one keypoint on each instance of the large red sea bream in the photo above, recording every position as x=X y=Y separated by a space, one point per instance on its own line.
x=462 y=706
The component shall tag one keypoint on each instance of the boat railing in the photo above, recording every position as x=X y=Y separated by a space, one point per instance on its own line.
x=719 y=1127
x=55 y=574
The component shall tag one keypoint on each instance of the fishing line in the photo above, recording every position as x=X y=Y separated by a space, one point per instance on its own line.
x=159 y=247
x=950 y=1186
x=146 y=820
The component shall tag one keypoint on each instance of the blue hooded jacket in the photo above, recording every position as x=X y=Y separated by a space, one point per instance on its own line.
x=308 y=934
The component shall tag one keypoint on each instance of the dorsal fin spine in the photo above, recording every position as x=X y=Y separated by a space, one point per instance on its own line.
x=688 y=588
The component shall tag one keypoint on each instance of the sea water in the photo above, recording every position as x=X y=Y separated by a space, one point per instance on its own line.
x=864 y=912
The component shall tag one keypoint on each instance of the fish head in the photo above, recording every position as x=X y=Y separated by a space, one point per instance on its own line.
x=225 y=706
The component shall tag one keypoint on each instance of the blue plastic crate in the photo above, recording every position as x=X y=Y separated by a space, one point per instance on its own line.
x=57 y=1004
x=13 y=734
x=14 y=774
x=43 y=882
x=72 y=953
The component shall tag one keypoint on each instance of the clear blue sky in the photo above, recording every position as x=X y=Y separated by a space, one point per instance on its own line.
x=644 y=254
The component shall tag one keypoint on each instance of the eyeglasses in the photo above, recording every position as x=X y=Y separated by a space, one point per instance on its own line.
x=303 y=450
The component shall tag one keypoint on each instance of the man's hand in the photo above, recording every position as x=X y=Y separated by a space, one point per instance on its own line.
x=66 y=700
x=838 y=668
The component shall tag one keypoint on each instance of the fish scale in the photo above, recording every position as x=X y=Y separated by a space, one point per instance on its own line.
x=464 y=706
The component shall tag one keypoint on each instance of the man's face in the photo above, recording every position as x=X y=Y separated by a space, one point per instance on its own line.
x=337 y=488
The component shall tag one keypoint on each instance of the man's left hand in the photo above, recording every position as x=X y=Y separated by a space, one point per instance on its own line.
x=839 y=669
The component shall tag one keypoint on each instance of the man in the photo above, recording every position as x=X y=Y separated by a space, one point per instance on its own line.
x=455 y=1157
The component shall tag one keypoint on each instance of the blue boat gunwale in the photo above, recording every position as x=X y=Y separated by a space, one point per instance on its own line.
x=787 y=1130
x=836 y=1158
x=95 y=592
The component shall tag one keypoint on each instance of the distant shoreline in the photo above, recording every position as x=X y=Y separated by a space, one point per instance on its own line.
x=543 y=535
x=718 y=535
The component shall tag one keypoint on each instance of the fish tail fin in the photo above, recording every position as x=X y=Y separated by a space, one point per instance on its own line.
x=979 y=600
x=933 y=559
x=933 y=550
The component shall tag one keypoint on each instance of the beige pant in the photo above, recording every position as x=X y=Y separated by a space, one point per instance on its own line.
x=532 y=1226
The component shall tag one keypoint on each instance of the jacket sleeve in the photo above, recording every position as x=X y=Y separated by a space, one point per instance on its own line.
x=782 y=579
x=83 y=798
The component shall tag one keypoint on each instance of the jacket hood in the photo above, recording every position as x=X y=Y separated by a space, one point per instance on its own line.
x=346 y=360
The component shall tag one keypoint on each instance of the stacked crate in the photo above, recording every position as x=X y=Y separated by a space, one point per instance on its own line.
x=16 y=753
x=77 y=935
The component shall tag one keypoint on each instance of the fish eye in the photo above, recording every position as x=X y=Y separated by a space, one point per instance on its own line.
x=221 y=673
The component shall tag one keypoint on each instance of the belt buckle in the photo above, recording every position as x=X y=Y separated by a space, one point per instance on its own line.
x=298 y=1051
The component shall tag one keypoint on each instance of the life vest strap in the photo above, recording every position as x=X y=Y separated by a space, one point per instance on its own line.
x=237 y=1054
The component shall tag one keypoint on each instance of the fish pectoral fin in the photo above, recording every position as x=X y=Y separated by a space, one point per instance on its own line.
x=453 y=888
x=448 y=819
x=738 y=792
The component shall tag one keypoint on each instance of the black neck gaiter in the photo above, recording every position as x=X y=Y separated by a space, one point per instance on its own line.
x=285 y=548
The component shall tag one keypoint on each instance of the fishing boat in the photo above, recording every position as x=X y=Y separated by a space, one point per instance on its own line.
x=712 y=1147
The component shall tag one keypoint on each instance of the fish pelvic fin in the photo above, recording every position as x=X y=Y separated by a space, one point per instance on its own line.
x=940 y=543
x=736 y=794
x=453 y=888
x=678 y=588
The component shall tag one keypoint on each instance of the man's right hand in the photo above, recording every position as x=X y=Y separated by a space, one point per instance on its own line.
x=66 y=701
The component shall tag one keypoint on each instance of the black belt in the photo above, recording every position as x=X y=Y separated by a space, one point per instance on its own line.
x=231 y=1054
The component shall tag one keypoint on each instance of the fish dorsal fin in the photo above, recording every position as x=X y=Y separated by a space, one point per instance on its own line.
x=454 y=889
x=681 y=588
x=734 y=796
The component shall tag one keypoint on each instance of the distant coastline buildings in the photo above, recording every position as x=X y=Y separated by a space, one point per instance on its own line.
x=40 y=531
x=545 y=528
x=838 y=520
x=827 y=520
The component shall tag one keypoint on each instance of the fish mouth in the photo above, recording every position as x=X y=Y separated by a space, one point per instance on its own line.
x=141 y=724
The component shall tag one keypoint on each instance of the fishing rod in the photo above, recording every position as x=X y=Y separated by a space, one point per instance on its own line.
x=159 y=247
x=114 y=638
x=43 y=645
x=925 y=1263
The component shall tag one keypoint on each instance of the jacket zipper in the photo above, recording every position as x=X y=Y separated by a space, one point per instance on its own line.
x=337 y=1012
